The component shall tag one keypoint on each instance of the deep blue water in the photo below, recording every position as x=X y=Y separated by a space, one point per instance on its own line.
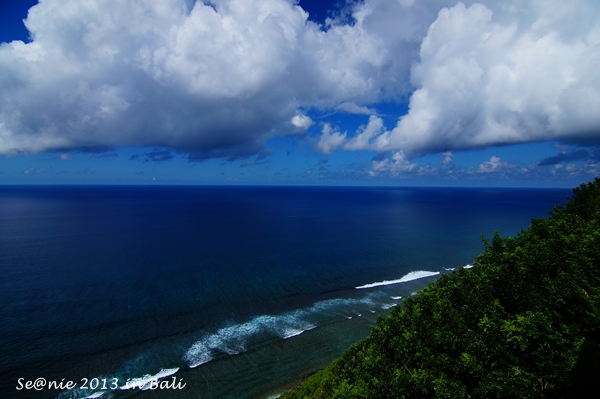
x=220 y=282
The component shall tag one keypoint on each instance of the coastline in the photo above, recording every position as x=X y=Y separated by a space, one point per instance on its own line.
x=419 y=280
x=152 y=299
x=268 y=368
x=523 y=321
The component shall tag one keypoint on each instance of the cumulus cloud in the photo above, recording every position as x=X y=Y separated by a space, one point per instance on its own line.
x=220 y=78
x=524 y=72
x=212 y=80
x=364 y=135
x=495 y=164
x=592 y=167
x=447 y=159
x=399 y=164
x=330 y=139
x=302 y=121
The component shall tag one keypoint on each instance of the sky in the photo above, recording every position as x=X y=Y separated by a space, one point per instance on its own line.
x=336 y=92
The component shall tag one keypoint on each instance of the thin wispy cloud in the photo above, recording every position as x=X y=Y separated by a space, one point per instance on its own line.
x=105 y=155
x=37 y=171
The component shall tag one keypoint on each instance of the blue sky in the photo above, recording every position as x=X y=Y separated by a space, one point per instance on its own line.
x=373 y=92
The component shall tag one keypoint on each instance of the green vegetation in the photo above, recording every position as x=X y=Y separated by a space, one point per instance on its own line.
x=523 y=323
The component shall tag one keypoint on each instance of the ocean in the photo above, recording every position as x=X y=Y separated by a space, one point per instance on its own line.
x=219 y=291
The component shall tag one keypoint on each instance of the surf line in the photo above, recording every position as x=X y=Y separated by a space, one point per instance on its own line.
x=408 y=277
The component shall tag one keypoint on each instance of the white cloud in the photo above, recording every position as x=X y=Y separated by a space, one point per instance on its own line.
x=33 y=171
x=447 y=158
x=495 y=164
x=557 y=169
x=592 y=167
x=352 y=108
x=219 y=80
x=362 y=139
x=66 y=156
x=302 y=121
x=330 y=140
x=399 y=164
x=213 y=81
x=518 y=78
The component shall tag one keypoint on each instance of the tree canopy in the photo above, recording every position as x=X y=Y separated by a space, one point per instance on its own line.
x=524 y=322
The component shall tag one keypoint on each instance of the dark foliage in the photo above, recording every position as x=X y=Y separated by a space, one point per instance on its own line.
x=524 y=322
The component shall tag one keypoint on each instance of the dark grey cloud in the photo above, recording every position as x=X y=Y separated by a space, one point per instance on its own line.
x=577 y=155
x=264 y=154
x=260 y=158
x=156 y=155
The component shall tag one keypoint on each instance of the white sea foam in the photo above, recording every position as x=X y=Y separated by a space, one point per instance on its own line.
x=409 y=277
x=293 y=332
x=79 y=393
x=95 y=395
x=234 y=339
x=386 y=306
x=333 y=304
x=198 y=354
x=448 y=268
x=469 y=266
x=144 y=383
x=396 y=297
